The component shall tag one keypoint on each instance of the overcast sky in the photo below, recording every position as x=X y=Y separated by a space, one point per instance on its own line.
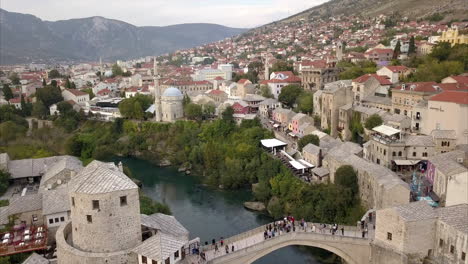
x=233 y=13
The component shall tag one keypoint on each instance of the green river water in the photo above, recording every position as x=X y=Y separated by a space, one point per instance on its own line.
x=206 y=212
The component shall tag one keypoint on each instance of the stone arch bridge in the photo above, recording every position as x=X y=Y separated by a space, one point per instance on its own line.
x=251 y=245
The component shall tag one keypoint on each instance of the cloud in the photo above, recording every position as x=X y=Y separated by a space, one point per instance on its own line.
x=234 y=13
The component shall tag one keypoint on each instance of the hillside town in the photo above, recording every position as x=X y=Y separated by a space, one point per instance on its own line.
x=343 y=91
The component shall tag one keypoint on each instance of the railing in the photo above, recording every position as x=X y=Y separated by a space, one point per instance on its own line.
x=298 y=228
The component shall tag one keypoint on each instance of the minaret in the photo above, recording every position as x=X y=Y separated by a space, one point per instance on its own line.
x=157 y=93
x=267 y=69
x=339 y=50
x=100 y=65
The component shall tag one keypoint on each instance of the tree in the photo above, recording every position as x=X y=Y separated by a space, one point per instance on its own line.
x=135 y=106
x=44 y=83
x=49 y=95
x=228 y=114
x=373 y=121
x=289 y=94
x=193 y=111
x=308 y=139
x=9 y=131
x=26 y=107
x=281 y=66
x=117 y=126
x=265 y=90
x=7 y=92
x=14 y=78
x=412 y=46
x=39 y=110
x=4 y=181
x=305 y=103
x=54 y=74
x=208 y=110
x=397 y=50
x=138 y=110
x=116 y=70
x=346 y=177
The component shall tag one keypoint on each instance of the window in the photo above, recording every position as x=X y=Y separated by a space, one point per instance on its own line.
x=51 y=221
x=144 y=260
x=394 y=154
x=56 y=220
x=452 y=249
x=89 y=218
x=167 y=261
x=463 y=256
x=414 y=154
x=62 y=219
x=73 y=201
x=123 y=200
x=95 y=205
x=389 y=236
x=441 y=243
x=154 y=262
x=399 y=154
x=176 y=254
x=424 y=154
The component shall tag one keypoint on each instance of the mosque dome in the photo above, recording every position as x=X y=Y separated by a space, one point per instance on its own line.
x=172 y=92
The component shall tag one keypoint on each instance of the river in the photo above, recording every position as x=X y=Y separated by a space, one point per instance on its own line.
x=207 y=213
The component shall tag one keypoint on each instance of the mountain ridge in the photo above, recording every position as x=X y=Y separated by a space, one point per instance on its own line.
x=27 y=38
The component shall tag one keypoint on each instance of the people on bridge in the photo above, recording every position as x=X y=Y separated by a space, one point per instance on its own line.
x=227 y=249
x=342 y=231
x=216 y=248
x=232 y=248
x=222 y=241
x=313 y=227
x=213 y=242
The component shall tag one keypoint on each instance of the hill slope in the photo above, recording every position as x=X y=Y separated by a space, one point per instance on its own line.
x=26 y=38
x=413 y=9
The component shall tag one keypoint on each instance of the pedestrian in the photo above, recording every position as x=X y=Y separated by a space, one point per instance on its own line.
x=365 y=230
x=305 y=226
x=213 y=241
x=313 y=228
x=222 y=241
x=216 y=248
x=227 y=249
x=342 y=231
x=363 y=233
x=232 y=248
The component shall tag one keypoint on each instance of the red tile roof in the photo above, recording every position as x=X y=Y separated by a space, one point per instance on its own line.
x=460 y=78
x=380 y=51
x=219 y=78
x=242 y=81
x=452 y=97
x=382 y=79
x=397 y=68
x=76 y=92
x=419 y=87
x=15 y=100
x=216 y=92
x=103 y=92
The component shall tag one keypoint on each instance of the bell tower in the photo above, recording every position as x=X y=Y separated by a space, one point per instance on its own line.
x=157 y=92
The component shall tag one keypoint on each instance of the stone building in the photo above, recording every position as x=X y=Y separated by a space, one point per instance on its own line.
x=334 y=95
x=407 y=95
x=369 y=85
x=418 y=233
x=105 y=217
x=267 y=106
x=453 y=37
x=448 y=174
x=169 y=106
x=444 y=140
x=315 y=74
x=378 y=186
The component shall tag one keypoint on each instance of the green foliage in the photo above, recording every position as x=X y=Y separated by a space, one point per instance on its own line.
x=265 y=91
x=116 y=70
x=436 y=17
x=355 y=127
x=305 y=103
x=39 y=110
x=346 y=177
x=308 y=139
x=3 y=202
x=117 y=126
x=7 y=92
x=353 y=71
x=10 y=131
x=433 y=70
x=412 y=46
x=149 y=207
x=134 y=107
x=4 y=178
x=90 y=92
x=54 y=74
x=193 y=111
x=397 y=50
x=14 y=78
x=373 y=121
x=289 y=94
x=68 y=119
x=281 y=65
x=49 y=95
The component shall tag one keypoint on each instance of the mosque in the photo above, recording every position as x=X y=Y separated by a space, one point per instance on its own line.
x=168 y=105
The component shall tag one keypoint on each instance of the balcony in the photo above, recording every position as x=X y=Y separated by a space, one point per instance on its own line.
x=23 y=239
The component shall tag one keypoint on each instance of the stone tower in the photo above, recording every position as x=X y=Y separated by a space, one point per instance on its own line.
x=339 y=50
x=105 y=217
x=267 y=68
x=157 y=92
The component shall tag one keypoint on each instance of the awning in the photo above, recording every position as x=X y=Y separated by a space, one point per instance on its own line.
x=291 y=134
x=276 y=125
x=386 y=130
x=297 y=165
x=272 y=143
x=406 y=162
x=287 y=155
x=271 y=121
x=305 y=163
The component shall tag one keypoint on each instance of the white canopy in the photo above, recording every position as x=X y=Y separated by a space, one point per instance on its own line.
x=386 y=130
x=292 y=134
x=276 y=125
x=297 y=165
x=309 y=165
x=406 y=162
x=272 y=143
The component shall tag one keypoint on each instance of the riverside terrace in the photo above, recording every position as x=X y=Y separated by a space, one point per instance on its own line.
x=300 y=168
x=22 y=238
